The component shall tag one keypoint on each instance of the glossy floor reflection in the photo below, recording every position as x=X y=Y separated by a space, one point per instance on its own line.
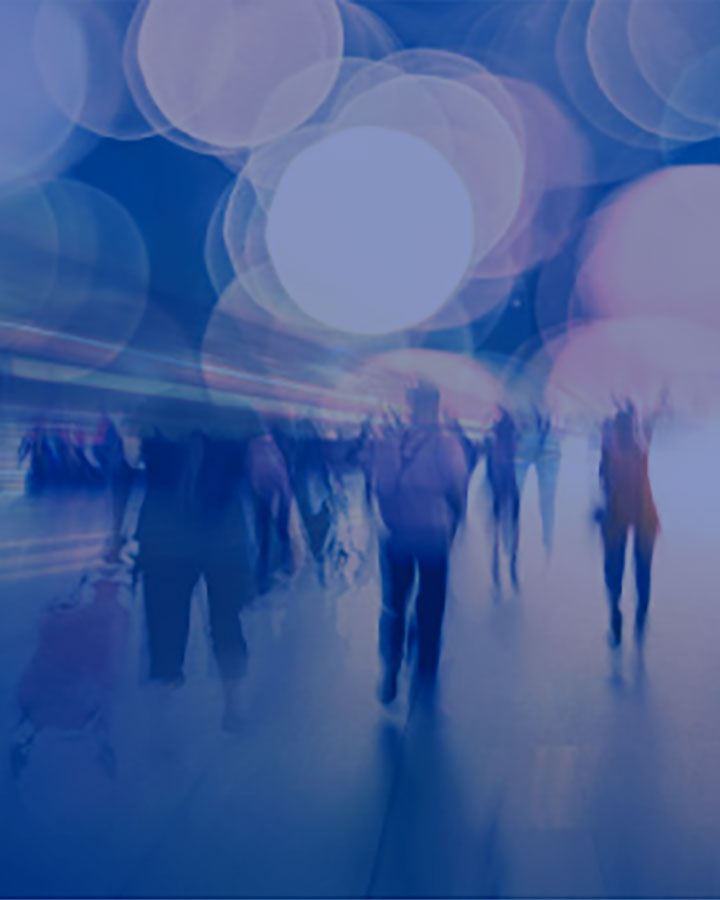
x=547 y=766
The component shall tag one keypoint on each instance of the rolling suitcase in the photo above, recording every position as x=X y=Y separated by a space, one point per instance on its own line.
x=70 y=681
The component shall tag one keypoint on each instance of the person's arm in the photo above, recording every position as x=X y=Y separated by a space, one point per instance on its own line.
x=124 y=462
x=604 y=467
x=454 y=463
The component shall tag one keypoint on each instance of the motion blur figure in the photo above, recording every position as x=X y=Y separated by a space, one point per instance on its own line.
x=271 y=497
x=500 y=452
x=35 y=448
x=192 y=525
x=420 y=478
x=106 y=445
x=539 y=447
x=58 y=458
x=313 y=492
x=347 y=458
x=628 y=504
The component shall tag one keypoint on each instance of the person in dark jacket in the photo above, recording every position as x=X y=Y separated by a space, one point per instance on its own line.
x=628 y=506
x=500 y=452
x=192 y=525
x=420 y=476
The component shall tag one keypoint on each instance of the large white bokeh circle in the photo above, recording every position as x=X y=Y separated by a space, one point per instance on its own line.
x=370 y=230
x=236 y=73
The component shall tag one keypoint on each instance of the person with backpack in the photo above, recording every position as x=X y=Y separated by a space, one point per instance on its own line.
x=420 y=475
x=628 y=504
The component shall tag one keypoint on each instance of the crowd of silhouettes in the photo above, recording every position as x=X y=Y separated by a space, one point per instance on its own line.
x=58 y=456
x=238 y=500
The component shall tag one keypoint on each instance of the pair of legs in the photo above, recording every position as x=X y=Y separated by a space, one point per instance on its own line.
x=168 y=583
x=123 y=478
x=318 y=526
x=398 y=563
x=547 y=466
x=506 y=520
x=272 y=514
x=615 y=542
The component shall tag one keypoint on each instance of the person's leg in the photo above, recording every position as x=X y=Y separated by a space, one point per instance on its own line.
x=397 y=568
x=614 y=546
x=317 y=526
x=263 y=524
x=643 y=561
x=514 y=537
x=168 y=584
x=523 y=462
x=120 y=488
x=496 y=523
x=430 y=611
x=548 y=467
x=228 y=586
x=283 y=532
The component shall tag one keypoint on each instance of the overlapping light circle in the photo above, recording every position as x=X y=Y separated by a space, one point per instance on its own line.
x=552 y=193
x=222 y=73
x=601 y=59
x=583 y=89
x=619 y=77
x=482 y=128
x=676 y=45
x=370 y=230
x=464 y=126
x=654 y=248
x=29 y=250
x=645 y=359
x=74 y=274
x=516 y=39
x=89 y=36
x=365 y=34
x=374 y=191
x=33 y=129
x=217 y=260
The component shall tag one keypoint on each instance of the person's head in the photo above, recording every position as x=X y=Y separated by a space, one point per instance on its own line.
x=424 y=403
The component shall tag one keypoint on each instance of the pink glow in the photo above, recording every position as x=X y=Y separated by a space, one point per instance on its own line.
x=636 y=358
x=654 y=249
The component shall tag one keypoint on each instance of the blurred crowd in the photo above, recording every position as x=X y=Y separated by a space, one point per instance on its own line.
x=246 y=503
x=58 y=456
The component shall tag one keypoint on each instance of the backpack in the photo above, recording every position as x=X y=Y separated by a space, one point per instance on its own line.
x=411 y=485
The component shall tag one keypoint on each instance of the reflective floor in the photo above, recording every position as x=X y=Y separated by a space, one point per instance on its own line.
x=548 y=765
